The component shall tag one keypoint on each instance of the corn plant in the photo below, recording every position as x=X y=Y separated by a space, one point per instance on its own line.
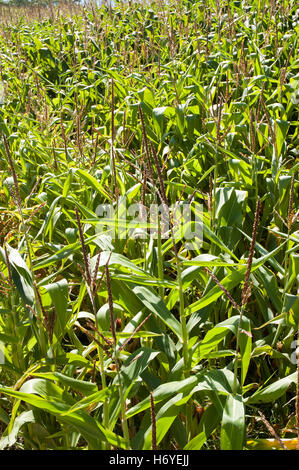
x=140 y=339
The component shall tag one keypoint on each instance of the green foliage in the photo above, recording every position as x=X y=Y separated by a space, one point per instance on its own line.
x=179 y=101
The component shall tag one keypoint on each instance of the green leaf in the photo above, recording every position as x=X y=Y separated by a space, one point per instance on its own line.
x=272 y=392
x=135 y=365
x=156 y=305
x=229 y=206
x=229 y=282
x=67 y=184
x=245 y=346
x=214 y=336
x=129 y=373
x=233 y=423
x=163 y=392
x=87 y=388
x=164 y=419
x=89 y=427
x=219 y=381
x=58 y=292
x=11 y=438
x=208 y=260
x=282 y=129
x=92 y=182
x=21 y=276
x=207 y=424
x=97 y=397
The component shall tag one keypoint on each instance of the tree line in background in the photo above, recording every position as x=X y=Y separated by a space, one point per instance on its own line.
x=24 y=3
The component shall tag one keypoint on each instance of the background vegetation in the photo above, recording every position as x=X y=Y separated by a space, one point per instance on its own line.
x=121 y=343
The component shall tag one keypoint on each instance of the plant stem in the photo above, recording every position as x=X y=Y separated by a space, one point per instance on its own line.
x=160 y=259
x=237 y=352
